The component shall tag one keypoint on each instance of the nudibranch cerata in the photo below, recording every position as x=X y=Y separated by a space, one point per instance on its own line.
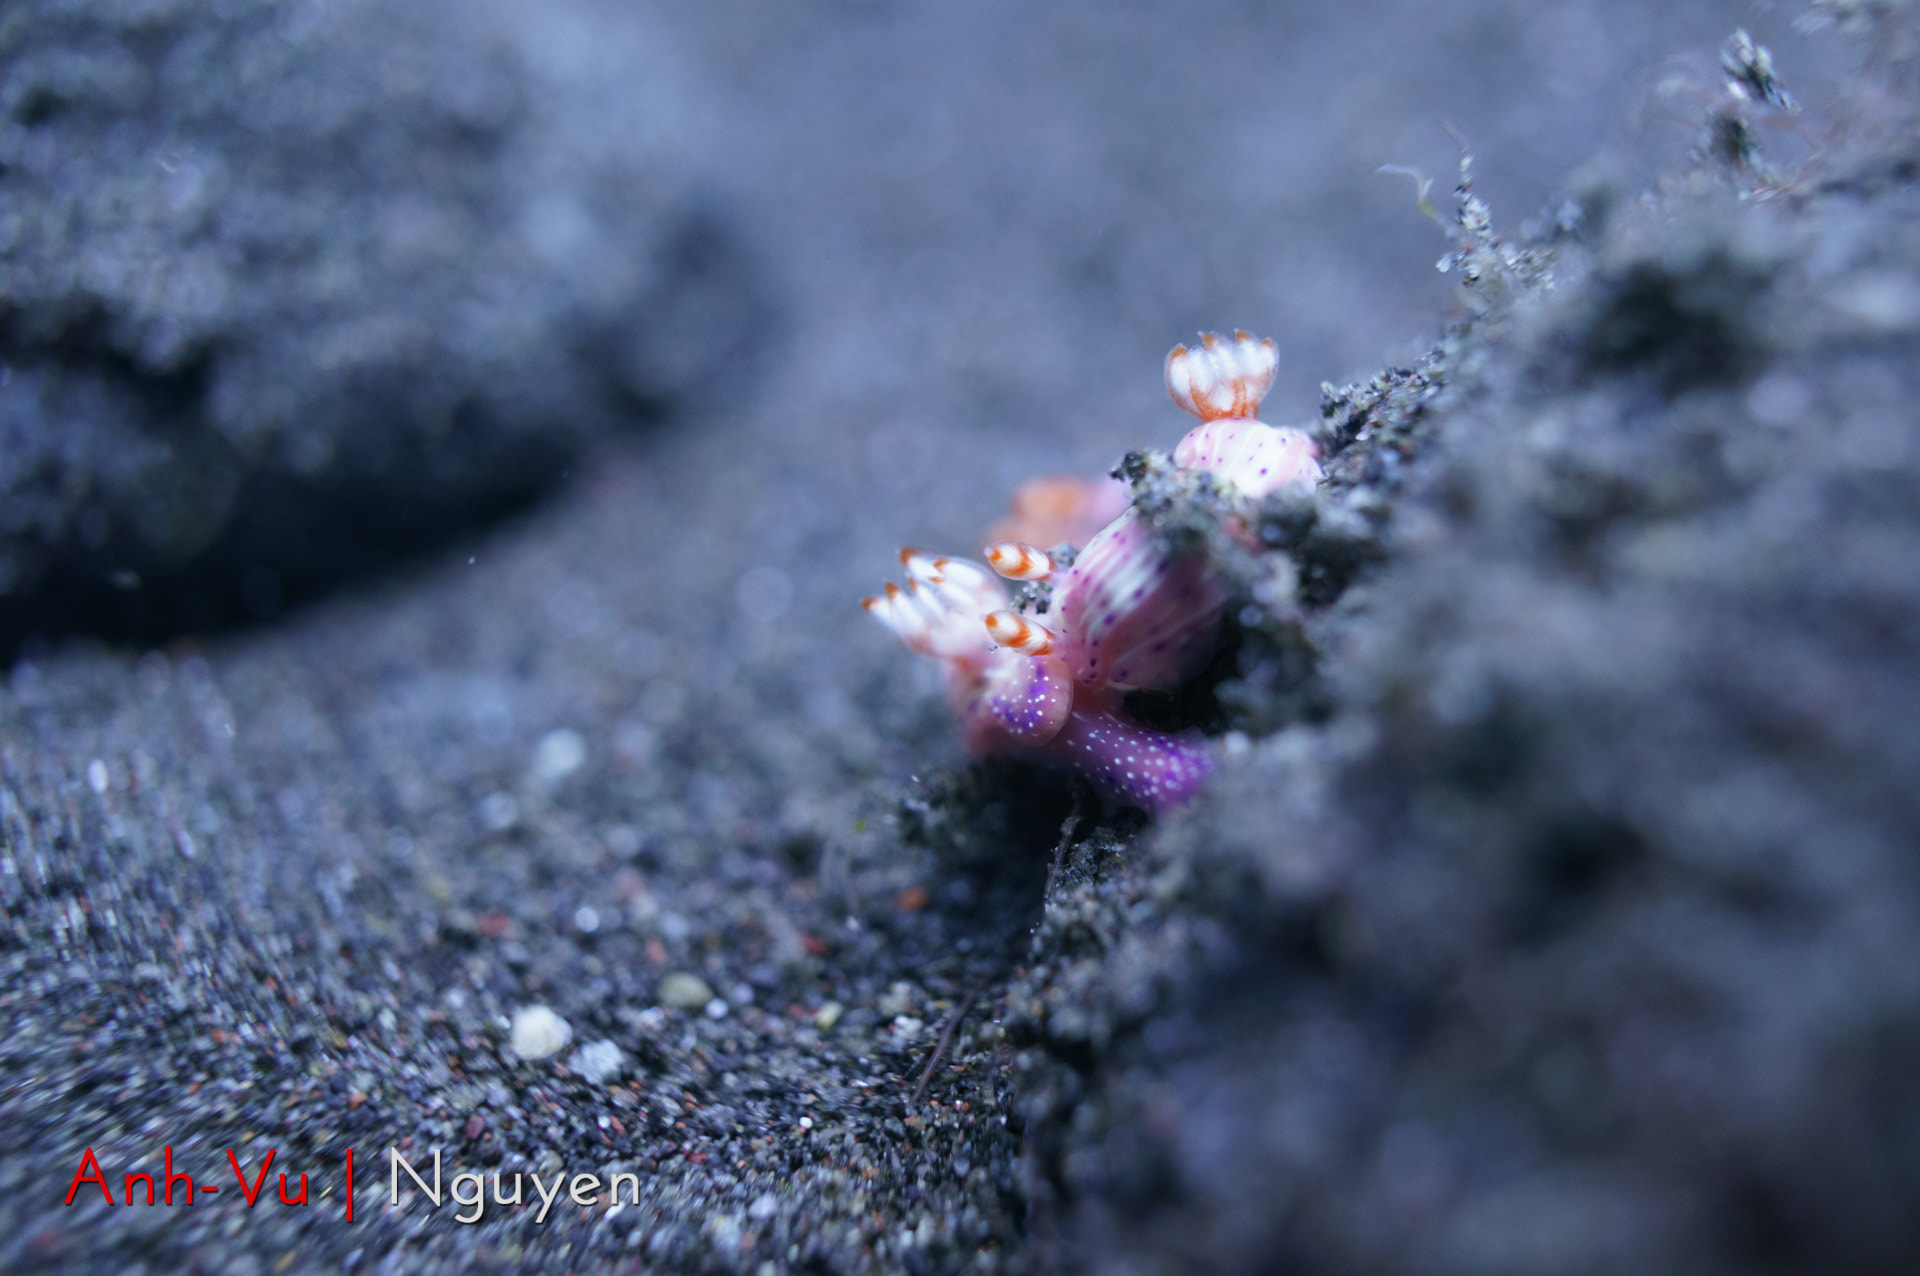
x=1127 y=614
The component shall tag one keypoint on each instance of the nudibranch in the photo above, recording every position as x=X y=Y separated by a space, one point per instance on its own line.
x=1124 y=613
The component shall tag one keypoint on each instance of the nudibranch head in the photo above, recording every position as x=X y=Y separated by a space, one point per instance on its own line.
x=1223 y=378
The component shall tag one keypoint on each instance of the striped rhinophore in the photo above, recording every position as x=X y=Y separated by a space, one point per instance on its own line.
x=1016 y=561
x=1028 y=637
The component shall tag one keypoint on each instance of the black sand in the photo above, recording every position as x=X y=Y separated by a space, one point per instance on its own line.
x=1555 y=907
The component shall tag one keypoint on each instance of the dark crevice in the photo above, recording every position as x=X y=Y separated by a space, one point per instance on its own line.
x=287 y=543
x=159 y=525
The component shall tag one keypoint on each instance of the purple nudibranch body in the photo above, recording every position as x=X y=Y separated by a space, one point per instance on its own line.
x=1130 y=615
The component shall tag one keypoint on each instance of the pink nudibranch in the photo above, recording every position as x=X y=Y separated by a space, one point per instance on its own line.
x=1126 y=615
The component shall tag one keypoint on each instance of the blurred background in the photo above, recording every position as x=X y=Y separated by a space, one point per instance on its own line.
x=292 y=291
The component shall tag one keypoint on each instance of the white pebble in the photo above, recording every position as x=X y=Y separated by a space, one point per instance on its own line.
x=559 y=754
x=538 y=1033
x=597 y=1061
x=684 y=991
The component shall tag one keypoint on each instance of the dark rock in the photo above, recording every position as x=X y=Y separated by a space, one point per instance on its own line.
x=1579 y=939
x=288 y=290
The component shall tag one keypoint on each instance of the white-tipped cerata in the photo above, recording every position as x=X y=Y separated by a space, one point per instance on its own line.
x=1011 y=629
x=955 y=581
x=939 y=613
x=1019 y=562
x=1222 y=378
